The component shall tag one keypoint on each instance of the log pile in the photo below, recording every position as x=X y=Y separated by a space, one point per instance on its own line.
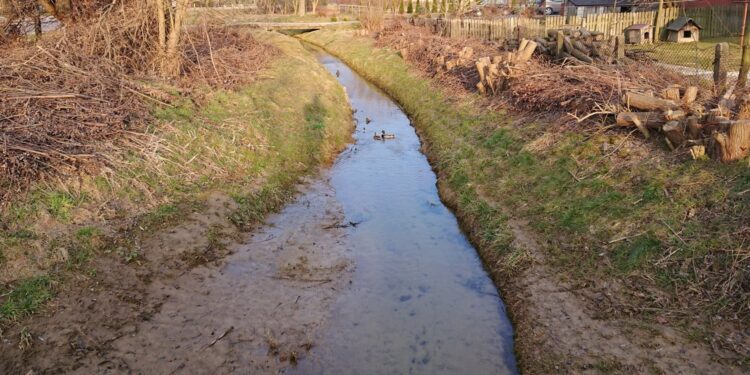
x=579 y=44
x=634 y=94
x=493 y=71
x=686 y=124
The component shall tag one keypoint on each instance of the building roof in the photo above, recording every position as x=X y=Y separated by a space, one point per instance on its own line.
x=601 y=3
x=639 y=26
x=681 y=22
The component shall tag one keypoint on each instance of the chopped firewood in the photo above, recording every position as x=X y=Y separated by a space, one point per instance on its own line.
x=581 y=56
x=697 y=152
x=466 y=54
x=481 y=89
x=674 y=131
x=652 y=120
x=671 y=93
x=525 y=52
x=692 y=128
x=674 y=115
x=647 y=103
x=691 y=93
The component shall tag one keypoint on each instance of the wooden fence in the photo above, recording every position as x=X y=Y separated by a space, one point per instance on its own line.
x=716 y=21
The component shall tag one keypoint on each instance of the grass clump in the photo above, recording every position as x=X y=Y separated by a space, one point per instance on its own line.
x=27 y=296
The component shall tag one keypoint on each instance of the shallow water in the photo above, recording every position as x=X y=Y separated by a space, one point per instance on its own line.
x=420 y=302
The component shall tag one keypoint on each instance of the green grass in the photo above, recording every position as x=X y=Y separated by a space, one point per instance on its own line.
x=698 y=55
x=28 y=296
x=623 y=216
x=239 y=15
x=59 y=204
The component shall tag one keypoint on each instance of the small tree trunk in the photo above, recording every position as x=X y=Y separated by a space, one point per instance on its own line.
x=161 y=24
x=300 y=7
x=38 y=24
x=171 y=63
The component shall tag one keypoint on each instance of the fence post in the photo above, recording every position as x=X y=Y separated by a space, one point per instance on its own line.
x=659 y=16
x=720 y=68
x=745 y=63
x=620 y=47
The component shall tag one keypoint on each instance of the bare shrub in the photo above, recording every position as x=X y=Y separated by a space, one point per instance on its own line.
x=71 y=99
x=219 y=57
x=373 y=18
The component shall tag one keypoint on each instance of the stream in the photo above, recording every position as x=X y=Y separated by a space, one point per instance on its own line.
x=420 y=299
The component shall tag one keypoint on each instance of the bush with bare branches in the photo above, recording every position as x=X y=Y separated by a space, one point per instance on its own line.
x=69 y=101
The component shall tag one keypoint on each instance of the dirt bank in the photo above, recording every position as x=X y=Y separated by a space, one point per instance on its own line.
x=100 y=279
x=580 y=303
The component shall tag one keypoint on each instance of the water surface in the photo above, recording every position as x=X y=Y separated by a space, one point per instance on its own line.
x=420 y=302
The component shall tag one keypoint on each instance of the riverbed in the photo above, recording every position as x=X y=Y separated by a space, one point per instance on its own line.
x=420 y=301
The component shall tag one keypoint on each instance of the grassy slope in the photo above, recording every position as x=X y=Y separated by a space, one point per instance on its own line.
x=698 y=55
x=253 y=144
x=684 y=224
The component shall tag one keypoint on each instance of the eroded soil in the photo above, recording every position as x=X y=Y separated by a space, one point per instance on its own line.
x=255 y=311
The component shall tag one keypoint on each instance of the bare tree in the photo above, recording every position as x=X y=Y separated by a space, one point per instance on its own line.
x=301 y=7
x=169 y=19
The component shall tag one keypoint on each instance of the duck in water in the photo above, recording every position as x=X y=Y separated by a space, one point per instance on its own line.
x=383 y=136
x=337 y=73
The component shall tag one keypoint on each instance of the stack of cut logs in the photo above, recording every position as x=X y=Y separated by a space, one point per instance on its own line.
x=495 y=71
x=686 y=124
x=581 y=44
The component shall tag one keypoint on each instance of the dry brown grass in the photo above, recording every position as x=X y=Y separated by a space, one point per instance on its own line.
x=75 y=97
x=537 y=86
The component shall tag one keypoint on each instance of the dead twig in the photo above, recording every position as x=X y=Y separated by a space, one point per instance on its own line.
x=219 y=338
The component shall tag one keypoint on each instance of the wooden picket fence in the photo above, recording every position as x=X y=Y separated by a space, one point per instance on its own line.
x=716 y=21
x=496 y=29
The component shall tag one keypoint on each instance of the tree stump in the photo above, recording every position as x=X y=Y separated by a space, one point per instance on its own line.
x=735 y=144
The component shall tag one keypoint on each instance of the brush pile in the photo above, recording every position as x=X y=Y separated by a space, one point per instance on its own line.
x=584 y=84
x=222 y=58
x=73 y=100
x=510 y=77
